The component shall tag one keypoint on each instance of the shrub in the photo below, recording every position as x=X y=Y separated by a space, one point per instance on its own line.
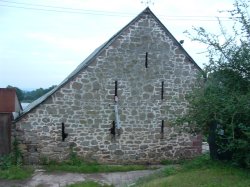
x=220 y=108
x=12 y=159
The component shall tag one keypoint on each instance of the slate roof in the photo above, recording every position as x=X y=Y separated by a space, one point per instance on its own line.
x=93 y=55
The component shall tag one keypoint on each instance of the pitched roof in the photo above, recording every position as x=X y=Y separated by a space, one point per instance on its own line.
x=96 y=52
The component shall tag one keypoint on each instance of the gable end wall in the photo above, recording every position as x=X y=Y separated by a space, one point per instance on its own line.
x=86 y=104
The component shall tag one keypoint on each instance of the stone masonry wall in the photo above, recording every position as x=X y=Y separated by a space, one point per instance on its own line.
x=86 y=104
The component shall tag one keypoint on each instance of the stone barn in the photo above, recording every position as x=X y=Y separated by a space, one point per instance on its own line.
x=118 y=104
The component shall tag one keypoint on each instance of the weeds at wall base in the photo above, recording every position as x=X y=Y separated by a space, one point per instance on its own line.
x=12 y=159
x=16 y=172
x=11 y=165
x=78 y=165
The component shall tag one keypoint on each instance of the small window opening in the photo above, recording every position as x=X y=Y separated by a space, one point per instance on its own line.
x=112 y=130
x=146 y=60
x=162 y=129
x=162 y=90
x=64 y=135
x=116 y=87
x=162 y=126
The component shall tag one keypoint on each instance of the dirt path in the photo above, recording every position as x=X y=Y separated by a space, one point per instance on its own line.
x=43 y=179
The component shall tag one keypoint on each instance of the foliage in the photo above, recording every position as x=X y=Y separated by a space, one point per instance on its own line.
x=29 y=96
x=224 y=97
x=171 y=170
x=78 y=165
x=171 y=162
x=35 y=94
x=74 y=160
x=11 y=165
x=12 y=159
x=44 y=160
x=200 y=171
x=16 y=153
x=19 y=92
x=88 y=184
x=6 y=162
x=85 y=167
x=16 y=172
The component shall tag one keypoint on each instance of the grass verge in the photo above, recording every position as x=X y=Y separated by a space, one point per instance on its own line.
x=88 y=167
x=16 y=172
x=199 y=172
x=78 y=165
x=88 y=184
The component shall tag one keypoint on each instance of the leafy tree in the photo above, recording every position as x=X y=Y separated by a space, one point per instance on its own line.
x=19 y=92
x=35 y=94
x=222 y=103
x=29 y=96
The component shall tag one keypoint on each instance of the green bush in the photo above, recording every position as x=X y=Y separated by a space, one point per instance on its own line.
x=220 y=107
x=12 y=159
x=5 y=162
x=11 y=165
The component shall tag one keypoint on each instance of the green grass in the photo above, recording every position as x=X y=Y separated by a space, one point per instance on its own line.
x=88 y=184
x=78 y=165
x=171 y=162
x=16 y=172
x=91 y=168
x=199 y=172
x=88 y=167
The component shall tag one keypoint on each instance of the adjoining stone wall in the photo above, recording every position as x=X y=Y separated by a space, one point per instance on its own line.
x=86 y=104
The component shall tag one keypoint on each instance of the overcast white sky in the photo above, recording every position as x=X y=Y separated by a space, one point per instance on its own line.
x=41 y=45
